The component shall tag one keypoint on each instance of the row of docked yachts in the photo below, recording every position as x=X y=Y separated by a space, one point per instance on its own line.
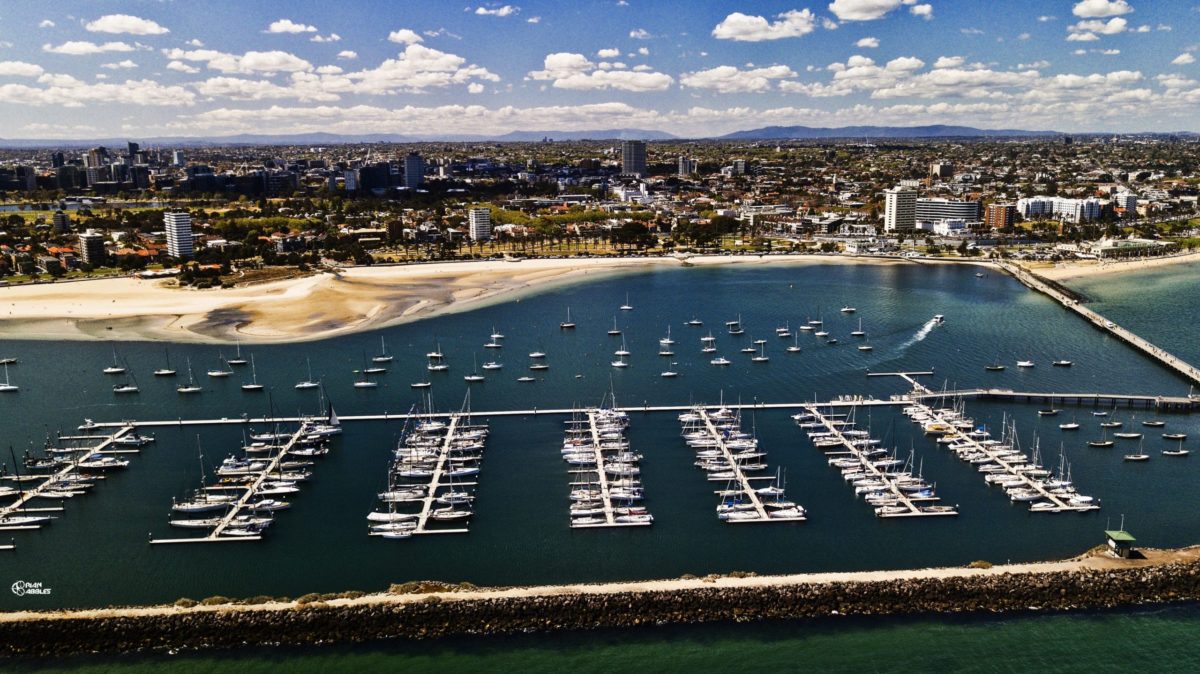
x=1022 y=476
x=894 y=486
x=606 y=487
x=67 y=468
x=728 y=454
x=250 y=486
x=431 y=477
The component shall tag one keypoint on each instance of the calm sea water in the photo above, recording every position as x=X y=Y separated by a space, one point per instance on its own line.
x=98 y=554
x=1158 y=640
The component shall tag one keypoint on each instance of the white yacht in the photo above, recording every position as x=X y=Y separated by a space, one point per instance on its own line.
x=719 y=360
x=190 y=386
x=615 y=332
x=1025 y=363
x=384 y=356
x=237 y=358
x=492 y=365
x=308 y=383
x=567 y=324
x=848 y=310
x=667 y=341
x=537 y=354
x=761 y=357
x=420 y=384
x=474 y=376
x=224 y=371
x=859 y=332
x=620 y=362
x=116 y=367
x=253 y=384
x=166 y=371
x=7 y=386
x=669 y=374
x=622 y=352
x=627 y=306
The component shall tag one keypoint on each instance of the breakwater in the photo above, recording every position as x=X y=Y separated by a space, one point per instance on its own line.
x=423 y=611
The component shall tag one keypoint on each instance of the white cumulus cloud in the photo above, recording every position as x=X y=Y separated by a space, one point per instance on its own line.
x=730 y=79
x=404 y=36
x=289 y=26
x=84 y=48
x=20 y=69
x=868 y=43
x=124 y=23
x=865 y=10
x=567 y=70
x=1090 y=9
x=120 y=65
x=46 y=23
x=747 y=28
x=1183 y=60
x=504 y=10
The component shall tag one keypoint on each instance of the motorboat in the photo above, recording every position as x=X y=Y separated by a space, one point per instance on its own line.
x=719 y=360
x=1025 y=363
x=1062 y=363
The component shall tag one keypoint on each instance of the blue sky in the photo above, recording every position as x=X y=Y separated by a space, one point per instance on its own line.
x=74 y=69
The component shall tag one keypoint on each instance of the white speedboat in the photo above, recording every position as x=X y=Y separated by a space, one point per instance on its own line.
x=669 y=374
x=719 y=360
x=1025 y=363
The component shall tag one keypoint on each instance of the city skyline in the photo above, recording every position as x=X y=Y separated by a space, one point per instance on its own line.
x=79 y=70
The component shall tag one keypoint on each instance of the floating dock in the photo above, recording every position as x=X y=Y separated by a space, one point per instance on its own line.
x=1015 y=473
x=441 y=497
x=861 y=463
x=242 y=506
x=16 y=515
x=599 y=440
x=707 y=431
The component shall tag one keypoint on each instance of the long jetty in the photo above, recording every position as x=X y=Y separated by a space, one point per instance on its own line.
x=1060 y=295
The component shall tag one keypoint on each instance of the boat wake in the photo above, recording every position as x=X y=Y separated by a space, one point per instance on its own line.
x=921 y=334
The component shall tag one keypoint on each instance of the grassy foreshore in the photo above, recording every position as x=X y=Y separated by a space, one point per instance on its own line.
x=427 y=610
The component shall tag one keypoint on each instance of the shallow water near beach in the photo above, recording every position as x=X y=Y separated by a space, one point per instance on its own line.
x=98 y=554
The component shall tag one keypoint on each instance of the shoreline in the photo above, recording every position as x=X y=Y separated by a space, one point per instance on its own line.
x=348 y=301
x=431 y=609
x=1072 y=270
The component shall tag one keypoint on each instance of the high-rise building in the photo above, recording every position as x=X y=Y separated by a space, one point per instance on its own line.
x=177 y=158
x=479 y=224
x=61 y=222
x=900 y=209
x=633 y=158
x=96 y=157
x=179 y=234
x=739 y=167
x=414 y=170
x=687 y=166
x=91 y=248
x=57 y=159
x=1127 y=202
x=1000 y=216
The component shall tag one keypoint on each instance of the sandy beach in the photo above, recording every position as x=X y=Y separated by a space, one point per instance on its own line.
x=315 y=307
x=1063 y=271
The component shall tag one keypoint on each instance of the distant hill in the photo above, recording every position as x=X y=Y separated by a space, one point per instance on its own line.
x=931 y=131
x=320 y=138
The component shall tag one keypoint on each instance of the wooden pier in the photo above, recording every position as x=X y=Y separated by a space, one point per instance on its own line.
x=57 y=480
x=716 y=438
x=907 y=503
x=435 y=481
x=1098 y=400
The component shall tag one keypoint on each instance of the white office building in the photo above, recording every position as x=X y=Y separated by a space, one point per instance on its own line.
x=1060 y=208
x=179 y=234
x=687 y=166
x=479 y=224
x=900 y=209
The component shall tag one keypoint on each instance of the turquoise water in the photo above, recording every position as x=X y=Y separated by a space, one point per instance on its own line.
x=97 y=553
x=1160 y=304
x=1149 y=640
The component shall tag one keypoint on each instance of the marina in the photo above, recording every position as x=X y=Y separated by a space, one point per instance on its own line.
x=69 y=469
x=435 y=463
x=606 y=490
x=728 y=454
x=872 y=471
x=250 y=490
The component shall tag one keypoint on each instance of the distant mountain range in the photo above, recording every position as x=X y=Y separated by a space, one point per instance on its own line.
x=765 y=133
x=931 y=131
